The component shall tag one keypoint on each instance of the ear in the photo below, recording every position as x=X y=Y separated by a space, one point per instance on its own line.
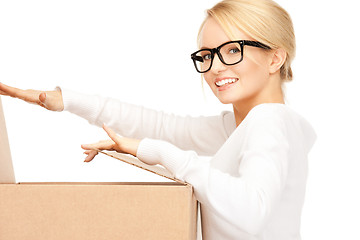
x=278 y=59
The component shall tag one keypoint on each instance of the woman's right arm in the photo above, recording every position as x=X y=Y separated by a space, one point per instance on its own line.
x=204 y=135
x=201 y=134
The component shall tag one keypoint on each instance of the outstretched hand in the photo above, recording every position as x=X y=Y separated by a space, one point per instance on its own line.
x=51 y=100
x=116 y=143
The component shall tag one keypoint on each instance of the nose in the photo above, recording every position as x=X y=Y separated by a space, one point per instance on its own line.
x=217 y=65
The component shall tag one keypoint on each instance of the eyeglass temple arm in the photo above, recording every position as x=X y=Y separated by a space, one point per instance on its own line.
x=197 y=58
x=256 y=44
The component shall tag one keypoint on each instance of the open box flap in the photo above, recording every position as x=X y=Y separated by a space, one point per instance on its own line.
x=6 y=166
x=157 y=169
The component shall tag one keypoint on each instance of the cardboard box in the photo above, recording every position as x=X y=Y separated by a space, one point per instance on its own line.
x=94 y=211
x=6 y=166
x=97 y=211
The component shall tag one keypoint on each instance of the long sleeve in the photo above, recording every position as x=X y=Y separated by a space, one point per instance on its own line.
x=139 y=122
x=242 y=202
x=245 y=199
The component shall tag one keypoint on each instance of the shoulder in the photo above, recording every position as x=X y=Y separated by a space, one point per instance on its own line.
x=267 y=114
x=273 y=113
x=279 y=120
x=264 y=122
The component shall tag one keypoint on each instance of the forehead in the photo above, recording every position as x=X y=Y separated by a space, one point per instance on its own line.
x=213 y=35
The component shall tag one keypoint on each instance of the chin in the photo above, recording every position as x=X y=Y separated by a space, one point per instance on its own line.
x=228 y=100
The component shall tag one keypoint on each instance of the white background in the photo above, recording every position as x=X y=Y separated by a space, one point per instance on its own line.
x=138 y=51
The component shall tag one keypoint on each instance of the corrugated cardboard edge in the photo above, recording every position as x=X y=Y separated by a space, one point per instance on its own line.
x=156 y=169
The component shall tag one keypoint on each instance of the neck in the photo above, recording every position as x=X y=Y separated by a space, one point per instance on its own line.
x=270 y=95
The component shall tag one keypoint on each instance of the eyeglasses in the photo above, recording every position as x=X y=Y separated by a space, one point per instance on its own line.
x=230 y=53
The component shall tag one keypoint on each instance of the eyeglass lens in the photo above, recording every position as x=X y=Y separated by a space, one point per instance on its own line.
x=229 y=54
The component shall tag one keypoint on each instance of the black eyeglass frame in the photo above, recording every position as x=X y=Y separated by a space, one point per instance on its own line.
x=242 y=43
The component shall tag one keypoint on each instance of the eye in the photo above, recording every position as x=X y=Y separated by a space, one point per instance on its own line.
x=234 y=50
x=207 y=57
x=203 y=56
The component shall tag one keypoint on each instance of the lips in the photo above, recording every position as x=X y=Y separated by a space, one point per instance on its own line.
x=225 y=81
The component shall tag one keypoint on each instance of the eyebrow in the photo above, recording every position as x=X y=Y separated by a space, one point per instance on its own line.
x=202 y=48
x=214 y=47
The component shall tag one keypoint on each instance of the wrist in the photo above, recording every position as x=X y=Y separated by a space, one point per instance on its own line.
x=58 y=94
x=130 y=145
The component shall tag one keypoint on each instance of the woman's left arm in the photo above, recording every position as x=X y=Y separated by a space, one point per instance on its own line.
x=245 y=200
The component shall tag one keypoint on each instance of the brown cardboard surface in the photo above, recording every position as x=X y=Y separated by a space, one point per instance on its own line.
x=6 y=166
x=97 y=211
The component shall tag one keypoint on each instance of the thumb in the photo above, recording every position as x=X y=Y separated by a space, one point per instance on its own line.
x=42 y=100
x=42 y=97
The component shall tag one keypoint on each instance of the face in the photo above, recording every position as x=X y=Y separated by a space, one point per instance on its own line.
x=246 y=81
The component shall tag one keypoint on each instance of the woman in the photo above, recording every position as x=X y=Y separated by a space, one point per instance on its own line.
x=253 y=185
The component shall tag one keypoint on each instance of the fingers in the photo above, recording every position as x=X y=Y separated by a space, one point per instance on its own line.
x=13 y=92
x=123 y=144
x=112 y=134
x=30 y=96
x=1 y=91
x=8 y=91
x=90 y=155
x=99 y=146
x=93 y=149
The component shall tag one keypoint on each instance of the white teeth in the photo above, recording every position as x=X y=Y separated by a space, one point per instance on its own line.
x=225 y=81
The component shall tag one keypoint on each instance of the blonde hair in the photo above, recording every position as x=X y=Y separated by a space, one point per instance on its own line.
x=263 y=20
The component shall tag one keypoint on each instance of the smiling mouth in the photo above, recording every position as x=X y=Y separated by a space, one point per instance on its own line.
x=227 y=81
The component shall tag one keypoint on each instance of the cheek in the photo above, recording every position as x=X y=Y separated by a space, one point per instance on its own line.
x=207 y=77
x=251 y=73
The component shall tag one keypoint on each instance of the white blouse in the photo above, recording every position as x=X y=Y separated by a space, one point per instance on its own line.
x=250 y=180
